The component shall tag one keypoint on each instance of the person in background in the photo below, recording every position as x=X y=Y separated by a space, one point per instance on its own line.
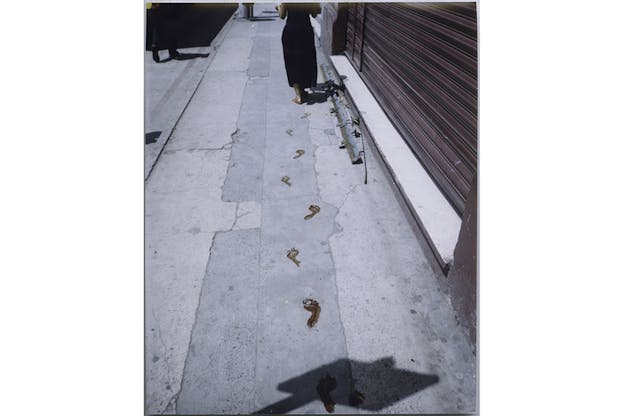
x=249 y=7
x=165 y=19
x=298 y=45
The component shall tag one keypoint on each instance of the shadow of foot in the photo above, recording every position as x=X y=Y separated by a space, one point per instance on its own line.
x=325 y=386
x=187 y=56
x=372 y=386
x=183 y=57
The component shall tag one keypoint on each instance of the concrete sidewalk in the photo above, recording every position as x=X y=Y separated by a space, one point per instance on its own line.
x=225 y=324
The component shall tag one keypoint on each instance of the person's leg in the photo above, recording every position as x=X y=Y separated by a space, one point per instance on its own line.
x=155 y=55
x=172 y=13
x=172 y=41
x=298 y=94
x=154 y=17
x=309 y=69
x=304 y=95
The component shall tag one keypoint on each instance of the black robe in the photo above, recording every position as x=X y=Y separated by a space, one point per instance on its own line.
x=298 y=43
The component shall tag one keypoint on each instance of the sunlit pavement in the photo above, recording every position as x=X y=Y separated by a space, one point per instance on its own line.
x=226 y=328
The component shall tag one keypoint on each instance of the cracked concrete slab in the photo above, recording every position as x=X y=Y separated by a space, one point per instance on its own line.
x=260 y=53
x=324 y=137
x=287 y=348
x=248 y=215
x=284 y=227
x=400 y=294
x=320 y=117
x=233 y=54
x=219 y=371
x=185 y=170
x=180 y=212
x=279 y=162
x=183 y=210
x=244 y=177
x=174 y=270
x=168 y=89
x=381 y=305
x=301 y=179
x=336 y=175
x=394 y=289
x=211 y=118
x=184 y=193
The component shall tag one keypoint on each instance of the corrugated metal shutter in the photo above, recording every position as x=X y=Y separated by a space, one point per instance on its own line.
x=420 y=61
x=355 y=33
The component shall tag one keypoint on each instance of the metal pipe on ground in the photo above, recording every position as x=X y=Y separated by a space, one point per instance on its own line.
x=346 y=123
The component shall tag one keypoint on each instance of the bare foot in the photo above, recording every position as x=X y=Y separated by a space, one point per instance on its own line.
x=297 y=100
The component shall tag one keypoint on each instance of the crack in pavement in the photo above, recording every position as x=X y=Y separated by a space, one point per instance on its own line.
x=184 y=190
x=350 y=192
x=228 y=223
x=237 y=217
x=194 y=232
x=260 y=244
x=199 y=149
x=338 y=229
x=188 y=351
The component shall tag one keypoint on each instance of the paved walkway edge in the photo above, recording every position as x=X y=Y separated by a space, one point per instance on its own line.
x=211 y=49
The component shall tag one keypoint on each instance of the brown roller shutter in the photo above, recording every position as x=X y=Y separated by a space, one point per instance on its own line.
x=355 y=33
x=420 y=62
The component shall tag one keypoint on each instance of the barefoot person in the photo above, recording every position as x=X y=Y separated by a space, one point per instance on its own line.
x=299 y=49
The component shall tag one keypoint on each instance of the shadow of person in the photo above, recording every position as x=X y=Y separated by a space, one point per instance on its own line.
x=391 y=384
x=167 y=59
x=371 y=386
x=186 y=56
x=180 y=56
x=316 y=98
x=321 y=92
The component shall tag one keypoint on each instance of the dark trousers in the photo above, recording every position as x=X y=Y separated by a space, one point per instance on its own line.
x=165 y=20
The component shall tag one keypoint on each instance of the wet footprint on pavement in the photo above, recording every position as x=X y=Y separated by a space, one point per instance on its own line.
x=292 y=254
x=313 y=306
x=315 y=210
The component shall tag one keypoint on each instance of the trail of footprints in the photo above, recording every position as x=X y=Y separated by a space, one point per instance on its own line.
x=310 y=305
x=327 y=383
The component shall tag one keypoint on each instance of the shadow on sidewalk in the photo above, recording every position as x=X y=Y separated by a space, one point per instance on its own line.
x=261 y=19
x=185 y=57
x=316 y=98
x=391 y=385
x=321 y=92
x=152 y=136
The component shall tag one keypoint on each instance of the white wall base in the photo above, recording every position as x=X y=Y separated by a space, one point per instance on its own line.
x=439 y=220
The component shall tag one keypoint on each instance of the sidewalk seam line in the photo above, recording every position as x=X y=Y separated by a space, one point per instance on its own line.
x=261 y=202
x=162 y=149
x=188 y=350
